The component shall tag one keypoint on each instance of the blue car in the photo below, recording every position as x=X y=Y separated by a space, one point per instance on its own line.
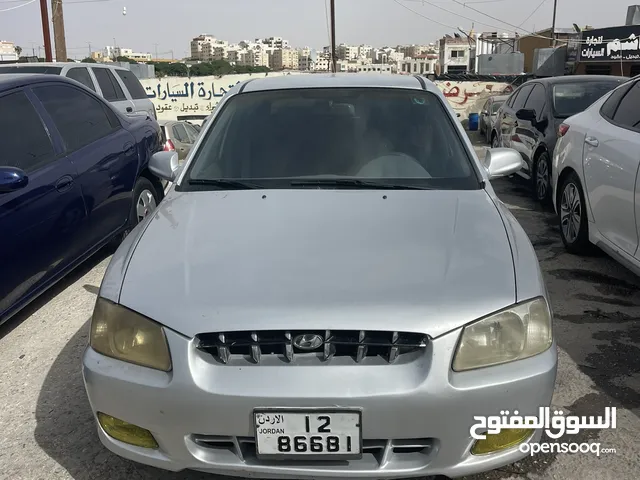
x=73 y=177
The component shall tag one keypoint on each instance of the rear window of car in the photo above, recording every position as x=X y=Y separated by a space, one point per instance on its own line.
x=572 y=98
x=376 y=134
x=133 y=84
x=32 y=69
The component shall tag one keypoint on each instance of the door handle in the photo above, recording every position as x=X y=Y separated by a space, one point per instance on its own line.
x=593 y=141
x=129 y=109
x=127 y=147
x=64 y=183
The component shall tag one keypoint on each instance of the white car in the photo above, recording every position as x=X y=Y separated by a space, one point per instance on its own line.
x=595 y=185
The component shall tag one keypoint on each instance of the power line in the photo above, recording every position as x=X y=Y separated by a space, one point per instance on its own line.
x=533 y=13
x=18 y=6
x=424 y=16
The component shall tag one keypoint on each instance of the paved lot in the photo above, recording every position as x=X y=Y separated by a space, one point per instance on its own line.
x=47 y=430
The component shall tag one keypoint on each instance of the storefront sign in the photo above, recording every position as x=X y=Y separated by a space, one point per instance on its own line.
x=611 y=44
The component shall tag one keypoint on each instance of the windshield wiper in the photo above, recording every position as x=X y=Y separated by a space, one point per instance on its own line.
x=352 y=182
x=224 y=183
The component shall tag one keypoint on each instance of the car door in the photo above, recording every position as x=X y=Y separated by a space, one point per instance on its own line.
x=81 y=74
x=39 y=223
x=507 y=118
x=141 y=103
x=102 y=151
x=111 y=90
x=513 y=129
x=181 y=139
x=529 y=132
x=484 y=116
x=611 y=161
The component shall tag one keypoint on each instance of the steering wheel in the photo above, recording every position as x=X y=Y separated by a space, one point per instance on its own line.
x=393 y=165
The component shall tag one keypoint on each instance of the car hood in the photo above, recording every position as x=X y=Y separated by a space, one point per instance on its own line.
x=407 y=260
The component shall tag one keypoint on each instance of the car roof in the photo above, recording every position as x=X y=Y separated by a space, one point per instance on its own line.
x=14 y=80
x=338 y=80
x=578 y=79
x=60 y=65
x=499 y=97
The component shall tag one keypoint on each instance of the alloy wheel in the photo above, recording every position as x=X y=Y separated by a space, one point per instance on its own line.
x=570 y=212
x=542 y=179
x=146 y=204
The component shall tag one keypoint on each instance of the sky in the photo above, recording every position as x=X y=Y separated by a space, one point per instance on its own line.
x=169 y=25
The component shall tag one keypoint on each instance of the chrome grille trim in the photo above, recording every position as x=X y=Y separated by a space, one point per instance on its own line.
x=358 y=344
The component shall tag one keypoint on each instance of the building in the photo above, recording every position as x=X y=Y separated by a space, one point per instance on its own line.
x=284 y=59
x=207 y=48
x=609 y=51
x=454 y=55
x=364 y=51
x=306 y=59
x=275 y=43
x=323 y=62
x=420 y=65
x=8 y=51
x=346 y=52
x=528 y=44
x=376 y=68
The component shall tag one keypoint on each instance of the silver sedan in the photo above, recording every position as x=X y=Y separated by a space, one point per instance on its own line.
x=330 y=288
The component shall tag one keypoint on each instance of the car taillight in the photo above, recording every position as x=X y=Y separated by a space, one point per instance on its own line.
x=562 y=129
x=169 y=146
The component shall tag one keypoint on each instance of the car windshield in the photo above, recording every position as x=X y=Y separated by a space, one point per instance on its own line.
x=32 y=69
x=279 y=139
x=572 y=98
x=495 y=106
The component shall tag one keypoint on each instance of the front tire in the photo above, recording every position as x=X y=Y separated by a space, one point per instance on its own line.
x=542 y=179
x=572 y=216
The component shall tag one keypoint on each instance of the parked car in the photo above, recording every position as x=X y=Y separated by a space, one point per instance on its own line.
x=530 y=118
x=117 y=85
x=73 y=177
x=489 y=113
x=595 y=177
x=179 y=137
x=323 y=289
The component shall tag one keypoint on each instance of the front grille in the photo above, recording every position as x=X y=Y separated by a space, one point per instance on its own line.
x=358 y=344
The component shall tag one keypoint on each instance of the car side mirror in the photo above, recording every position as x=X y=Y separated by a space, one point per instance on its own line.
x=502 y=162
x=526 y=114
x=165 y=165
x=485 y=112
x=12 y=179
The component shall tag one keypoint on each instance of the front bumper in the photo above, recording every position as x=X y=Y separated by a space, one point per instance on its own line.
x=418 y=399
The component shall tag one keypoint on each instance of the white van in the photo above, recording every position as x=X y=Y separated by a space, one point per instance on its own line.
x=117 y=85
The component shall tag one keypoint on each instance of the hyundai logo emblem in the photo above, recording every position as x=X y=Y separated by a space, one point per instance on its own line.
x=308 y=341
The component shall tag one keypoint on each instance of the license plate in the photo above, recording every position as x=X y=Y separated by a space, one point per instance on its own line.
x=308 y=433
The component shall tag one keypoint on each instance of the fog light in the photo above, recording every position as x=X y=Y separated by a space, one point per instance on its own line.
x=126 y=432
x=500 y=441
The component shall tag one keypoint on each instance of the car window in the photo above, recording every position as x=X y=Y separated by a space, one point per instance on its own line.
x=572 y=98
x=367 y=133
x=193 y=133
x=24 y=140
x=80 y=118
x=537 y=99
x=522 y=97
x=110 y=87
x=610 y=105
x=180 y=133
x=495 y=106
x=628 y=112
x=133 y=84
x=512 y=98
x=32 y=69
x=81 y=75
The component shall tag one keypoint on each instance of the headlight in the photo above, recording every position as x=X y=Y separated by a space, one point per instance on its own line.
x=121 y=333
x=518 y=332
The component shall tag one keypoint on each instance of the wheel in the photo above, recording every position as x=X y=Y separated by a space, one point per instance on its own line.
x=145 y=200
x=541 y=179
x=574 y=226
x=495 y=142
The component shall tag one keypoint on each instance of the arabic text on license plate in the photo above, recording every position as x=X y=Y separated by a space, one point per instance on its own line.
x=313 y=433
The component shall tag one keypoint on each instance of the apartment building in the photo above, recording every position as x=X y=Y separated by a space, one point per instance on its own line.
x=346 y=52
x=420 y=65
x=274 y=42
x=284 y=59
x=376 y=68
x=8 y=51
x=454 y=55
x=323 y=62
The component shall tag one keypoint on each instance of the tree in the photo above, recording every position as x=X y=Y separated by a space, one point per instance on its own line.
x=18 y=49
x=88 y=60
x=125 y=59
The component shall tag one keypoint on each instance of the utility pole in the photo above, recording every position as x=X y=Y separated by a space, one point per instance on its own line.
x=333 y=37
x=553 y=25
x=156 y=45
x=90 y=52
x=44 y=13
x=58 y=30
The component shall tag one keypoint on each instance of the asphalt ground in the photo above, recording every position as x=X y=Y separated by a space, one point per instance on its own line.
x=47 y=430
